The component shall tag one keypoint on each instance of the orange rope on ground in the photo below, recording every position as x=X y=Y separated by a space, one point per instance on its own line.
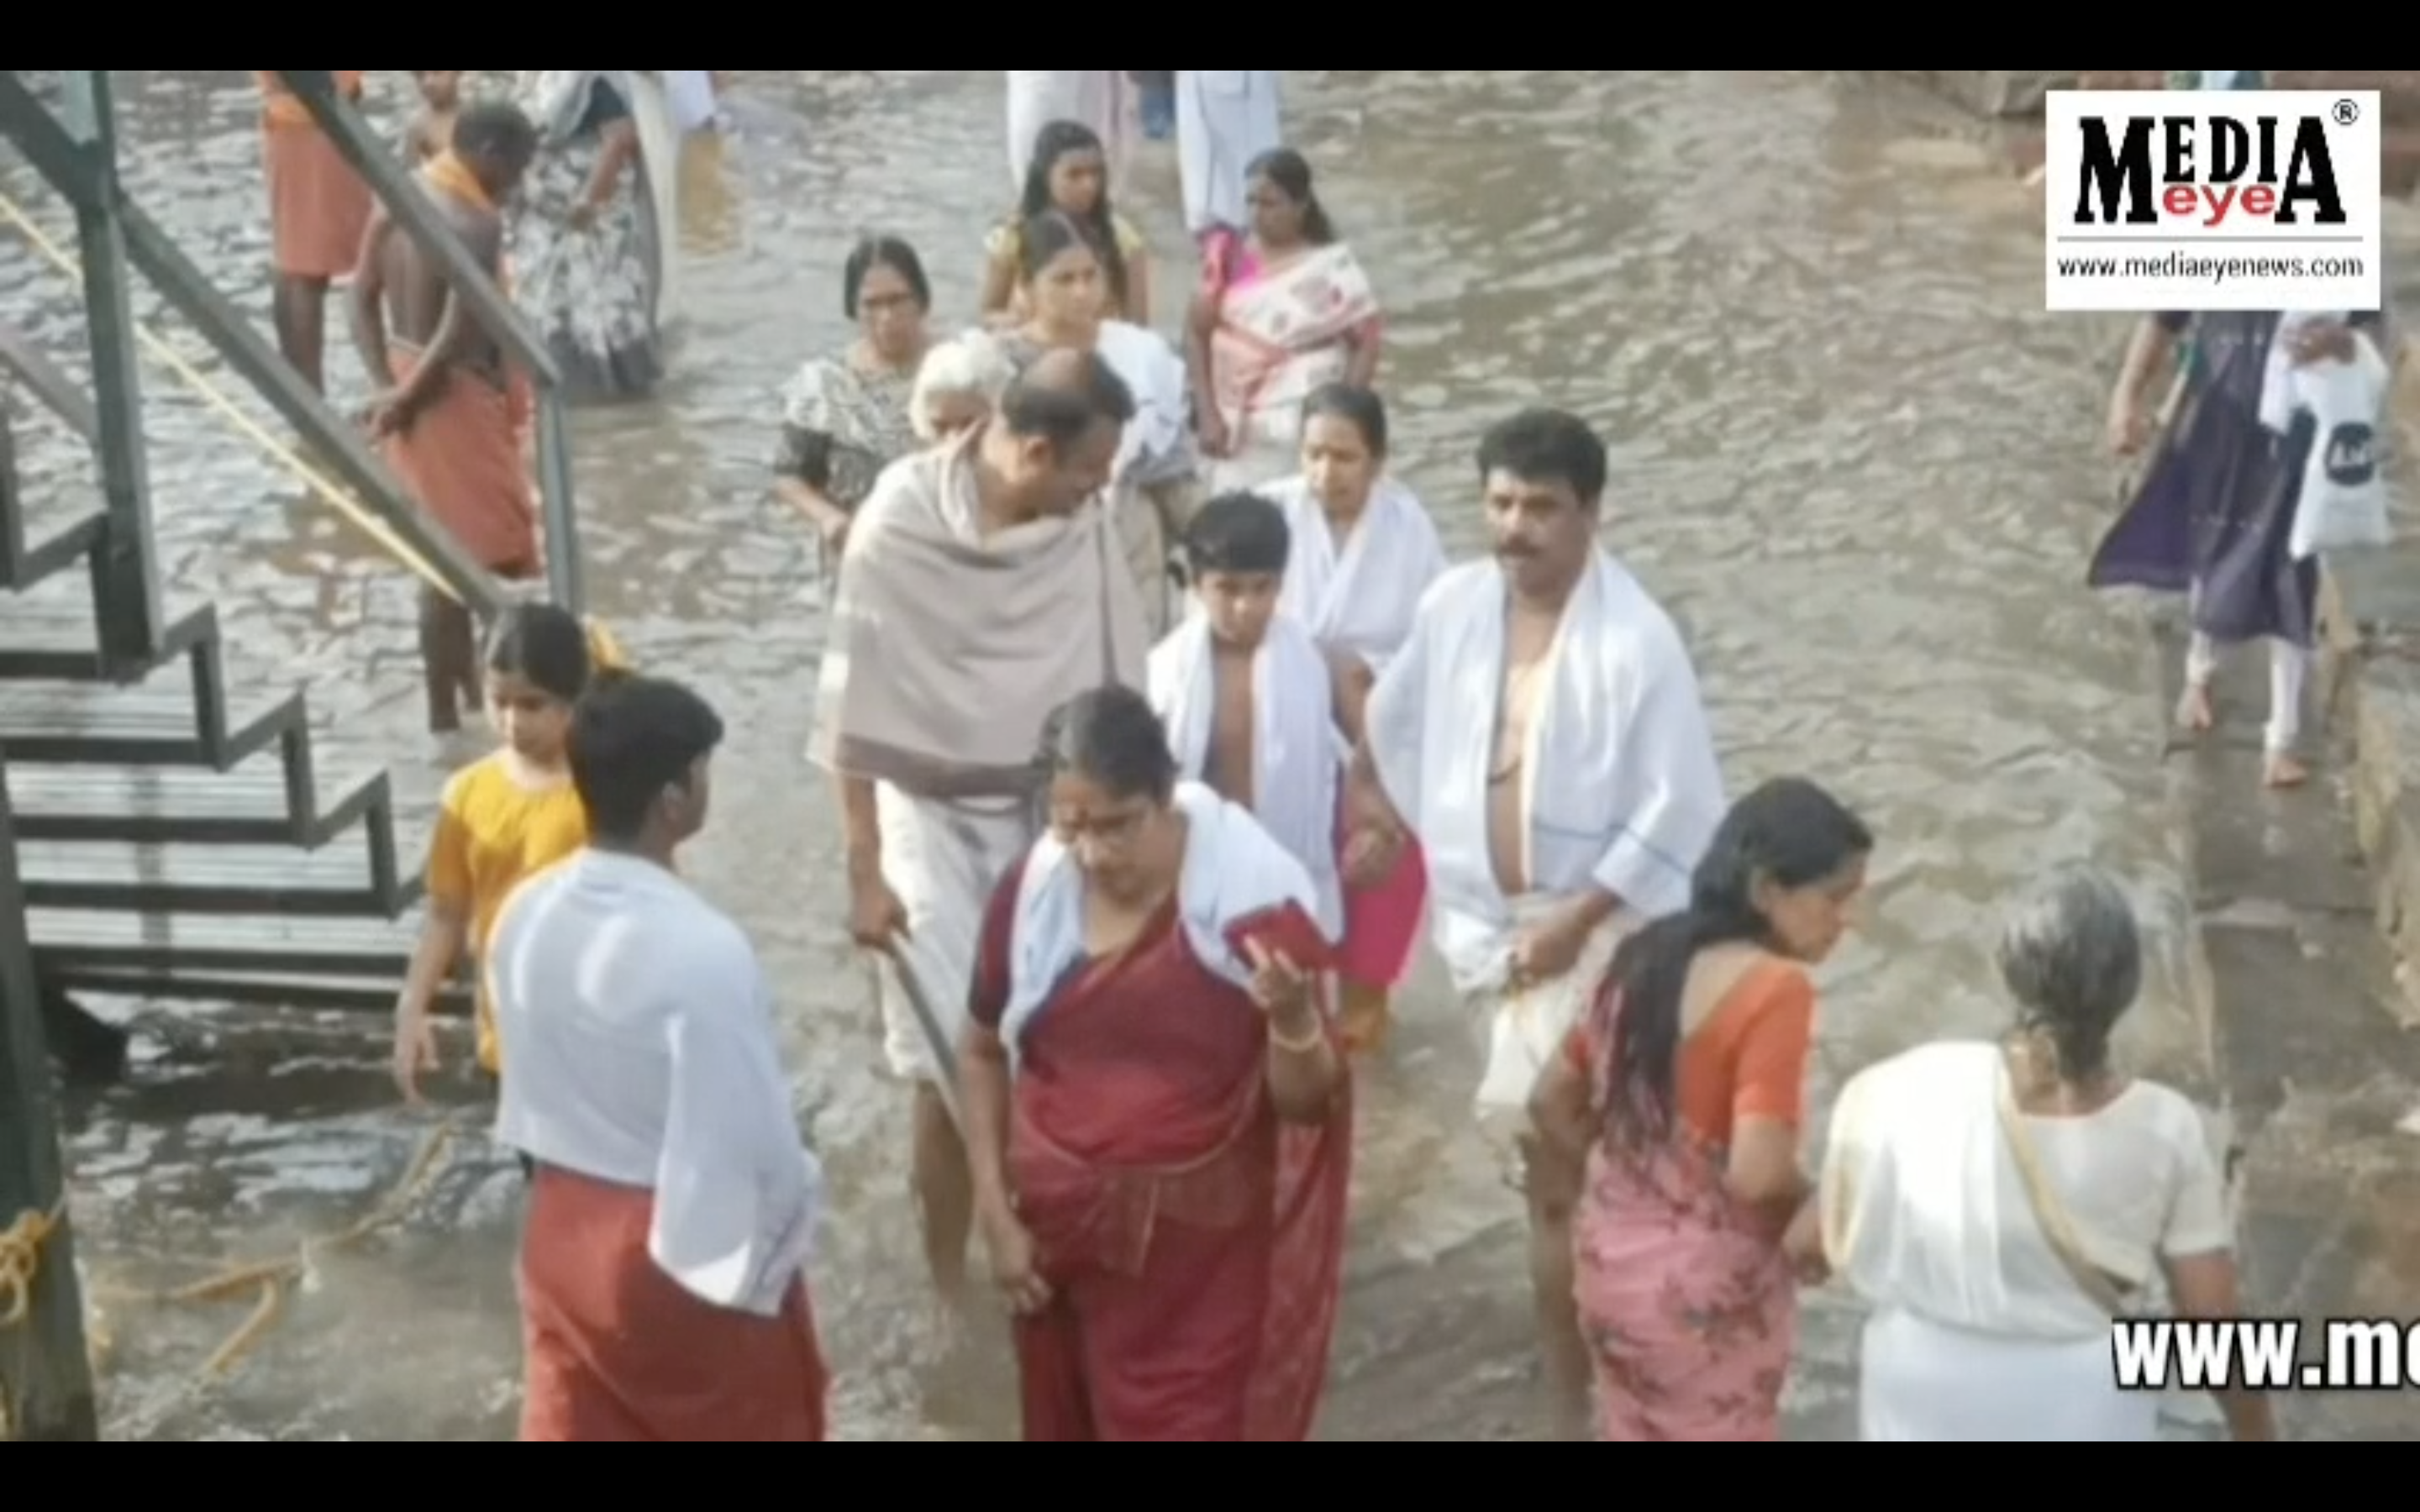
x=20 y=1266
x=21 y=1260
x=268 y=1283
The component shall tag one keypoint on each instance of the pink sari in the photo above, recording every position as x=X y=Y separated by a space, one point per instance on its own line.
x=1282 y=335
x=1689 y=1308
x=1196 y=1243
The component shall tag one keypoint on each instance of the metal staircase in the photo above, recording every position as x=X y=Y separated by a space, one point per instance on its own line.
x=174 y=839
x=174 y=835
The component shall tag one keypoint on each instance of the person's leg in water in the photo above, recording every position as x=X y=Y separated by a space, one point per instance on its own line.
x=299 y=310
x=1552 y=1186
x=1156 y=104
x=2289 y=675
x=449 y=661
x=944 y=1191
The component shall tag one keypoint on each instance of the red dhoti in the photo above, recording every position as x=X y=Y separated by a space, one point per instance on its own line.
x=1194 y=1243
x=618 y=1353
x=318 y=205
x=461 y=458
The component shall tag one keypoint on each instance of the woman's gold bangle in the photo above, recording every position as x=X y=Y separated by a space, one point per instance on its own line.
x=1316 y=1039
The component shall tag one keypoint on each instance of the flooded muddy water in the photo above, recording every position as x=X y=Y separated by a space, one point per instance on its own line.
x=1850 y=452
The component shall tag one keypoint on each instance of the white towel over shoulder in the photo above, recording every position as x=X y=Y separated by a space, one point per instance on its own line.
x=1359 y=595
x=1300 y=754
x=1233 y=869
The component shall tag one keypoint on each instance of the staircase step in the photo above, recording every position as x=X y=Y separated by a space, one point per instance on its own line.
x=341 y=962
x=250 y=805
x=100 y=725
x=338 y=880
x=54 y=638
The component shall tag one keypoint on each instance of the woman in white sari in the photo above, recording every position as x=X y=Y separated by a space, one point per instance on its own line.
x=594 y=251
x=1062 y=290
x=1999 y=1205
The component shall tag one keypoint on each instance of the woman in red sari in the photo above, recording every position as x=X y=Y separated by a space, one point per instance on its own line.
x=1159 y=1129
x=1684 y=1090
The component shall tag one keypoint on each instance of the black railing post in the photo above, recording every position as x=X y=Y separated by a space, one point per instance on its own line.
x=497 y=315
x=45 y=1370
x=66 y=163
x=129 y=579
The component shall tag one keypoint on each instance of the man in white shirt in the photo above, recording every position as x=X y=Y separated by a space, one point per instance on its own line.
x=1225 y=119
x=672 y=1206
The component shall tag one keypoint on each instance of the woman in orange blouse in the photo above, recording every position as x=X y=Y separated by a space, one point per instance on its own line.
x=1680 y=1096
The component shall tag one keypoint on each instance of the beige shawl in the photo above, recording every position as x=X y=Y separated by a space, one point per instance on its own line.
x=948 y=649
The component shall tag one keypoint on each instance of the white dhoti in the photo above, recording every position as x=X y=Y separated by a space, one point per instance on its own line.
x=1925 y=1382
x=943 y=860
x=1225 y=117
x=1521 y=1032
x=1095 y=98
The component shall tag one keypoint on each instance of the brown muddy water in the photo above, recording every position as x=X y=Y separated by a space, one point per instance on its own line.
x=1850 y=452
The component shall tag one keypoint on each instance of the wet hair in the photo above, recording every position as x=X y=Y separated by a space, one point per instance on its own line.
x=972 y=365
x=1546 y=446
x=631 y=738
x=2071 y=956
x=1099 y=224
x=1112 y=738
x=543 y=645
x=495 y=129
x=1065 y=413
x=1290 y=172
x=883 y=252
x=1356 y=405
x=1789 y=832
x=1237 y=533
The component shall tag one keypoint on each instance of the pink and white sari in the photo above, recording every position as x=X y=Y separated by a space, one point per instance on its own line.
x=1282 y=332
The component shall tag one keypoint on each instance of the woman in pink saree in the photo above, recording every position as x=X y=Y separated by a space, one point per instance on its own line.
x=1280 y=314
x=1677 y=1106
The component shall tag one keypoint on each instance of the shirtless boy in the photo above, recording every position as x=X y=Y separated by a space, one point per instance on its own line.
x=1251 y=702
x=440 y=99
x=449 y=416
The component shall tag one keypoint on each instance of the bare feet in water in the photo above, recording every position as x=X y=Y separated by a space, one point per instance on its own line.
x=2284 y=772
x=2193 y=712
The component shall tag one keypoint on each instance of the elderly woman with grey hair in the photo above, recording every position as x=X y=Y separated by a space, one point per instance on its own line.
x=956 y=388
x=1998 y=1204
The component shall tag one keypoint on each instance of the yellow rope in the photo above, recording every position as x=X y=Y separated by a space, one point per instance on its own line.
x=20 y=1266
x=21 y=1260
x=277 y=451
x=268 y=1282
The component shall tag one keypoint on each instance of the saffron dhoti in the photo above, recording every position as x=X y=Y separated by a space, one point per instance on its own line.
x=461 y=458
x=620 y=1354
x=318 y=206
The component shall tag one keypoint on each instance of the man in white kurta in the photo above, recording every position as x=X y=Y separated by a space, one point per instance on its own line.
x=673 y=1207
x=1225 y=119
x=1095 y=98
x=1575 y=812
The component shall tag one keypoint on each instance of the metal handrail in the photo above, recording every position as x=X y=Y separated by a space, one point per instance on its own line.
x=79 y=162
x=495 y=311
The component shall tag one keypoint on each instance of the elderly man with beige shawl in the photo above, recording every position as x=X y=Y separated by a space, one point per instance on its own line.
x=983 y=586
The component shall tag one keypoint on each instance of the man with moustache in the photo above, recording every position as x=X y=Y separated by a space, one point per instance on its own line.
x=1552 y=829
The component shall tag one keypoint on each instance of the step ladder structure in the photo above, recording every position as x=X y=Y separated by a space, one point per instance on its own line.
x=165 y=835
